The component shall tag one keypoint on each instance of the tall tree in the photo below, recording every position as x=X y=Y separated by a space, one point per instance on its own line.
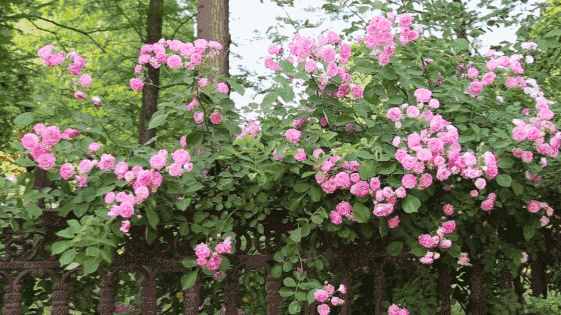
x=151 y=90
x=213 y=24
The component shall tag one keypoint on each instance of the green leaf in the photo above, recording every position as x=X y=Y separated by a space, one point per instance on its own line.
x=60 y=246
x=301 y=187
x=317 y=219
x=504 y=180
x=276 y=271
x=183 y=204
x=529 y=231
x=517 y=188
x=289 y=282
x=285 y=292
x=294 y=307
x=157 y=120
x=361 y=213
x=66 y=233
x=92 y=251
x=67 y=257
x=23 y=120
x=315 y=193
x=296 y=235
x=394 y=248
x=90 y=266
x=188 y=280
x=367 y=171
x=189 y=263
x=411 y=204
x=152 y=217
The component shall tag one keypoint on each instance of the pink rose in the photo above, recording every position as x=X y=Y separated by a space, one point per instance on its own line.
x=293 y=135
x=85 y=80
x=360 y=189
x=202 y=251
x=534 y=206
x=136 y=84
x=198 y=117
x=94 y=147
x=29 y=141
x=323 y=309
x=300 y=155
x=125 y=226
x=423 y=95
x=222 y=88
x=66 y=171
x=174 y=62
x=216 y=118
x=409 y=181
x=106 y=162
x=393 y=222
x=394 y=114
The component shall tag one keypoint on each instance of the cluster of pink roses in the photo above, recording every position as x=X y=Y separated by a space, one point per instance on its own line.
x=436 y=147
x=325 y=58
x=176 y=54
x=439 y=240
x=382 y=31
x=535 y=206
x=41 y=142
x=533 y=128
x=144 y=181
x=396 y=310
x=211 y=259
x=326 y=296
x=52 y=58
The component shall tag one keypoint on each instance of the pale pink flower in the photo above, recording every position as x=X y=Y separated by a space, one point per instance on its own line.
x=323 y=309
x=136 y=84
x=300 y=155
x=423 y=95
x=222 y=88
x=125 y=226
x=29 y=141
x=66 y=171
x=293 y=135
x=198 y=117
x=85 y=80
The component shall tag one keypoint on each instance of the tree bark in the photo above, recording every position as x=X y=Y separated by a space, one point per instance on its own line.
x=213 y=24
x=444 y=288
x=192 y=299
x=346 y=308
x=232 y=292
x=477 y=298
x=539 y=281
x=274 y=300
x=379 y=288
x=151 y=89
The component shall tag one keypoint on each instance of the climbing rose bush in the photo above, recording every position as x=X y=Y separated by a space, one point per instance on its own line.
x=389 y=143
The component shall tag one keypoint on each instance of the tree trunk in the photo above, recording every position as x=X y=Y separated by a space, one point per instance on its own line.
x=379 y=287
x=274 y=300
x=232 y=292
x=192 y=299
x=212 y=24
x=477 y=298
x=346 y=308
x=151 y=89
x=444 y=288
x=539 y=282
